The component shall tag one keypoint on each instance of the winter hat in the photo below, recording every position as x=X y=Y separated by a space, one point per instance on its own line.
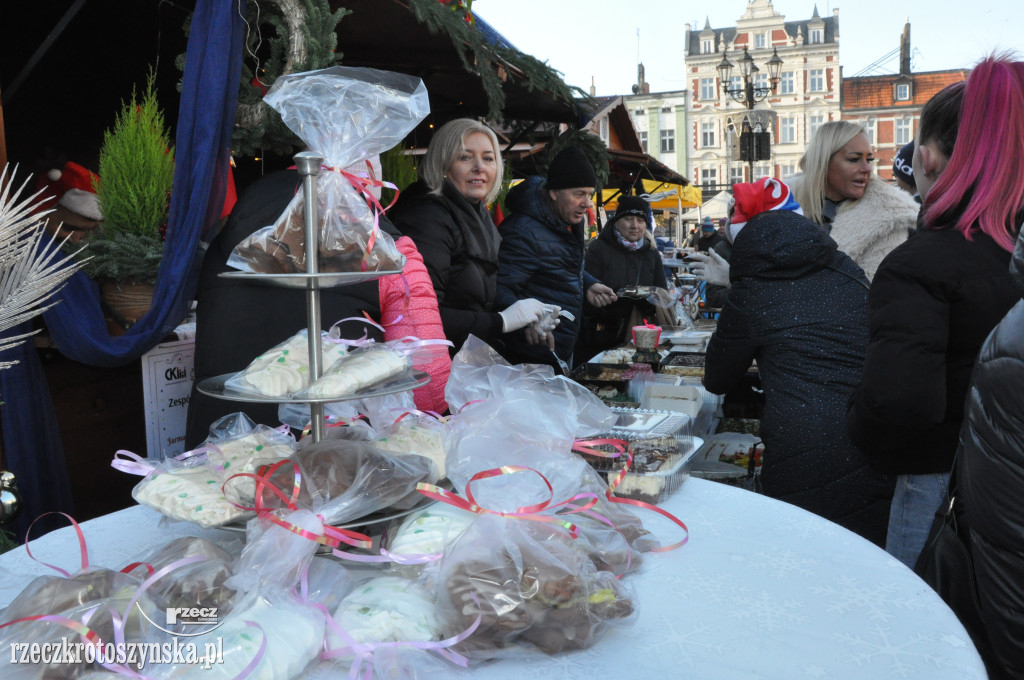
x=631 y=205
x=707 y=225
x=73 y=188
x=571 y=169
x=753 y=198
x=903 y=165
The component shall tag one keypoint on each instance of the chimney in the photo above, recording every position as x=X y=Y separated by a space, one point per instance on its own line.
x=905 y=50
x=641 y=84
x=593 y=89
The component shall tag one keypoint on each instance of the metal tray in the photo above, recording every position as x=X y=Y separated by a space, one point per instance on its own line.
x=215 y=387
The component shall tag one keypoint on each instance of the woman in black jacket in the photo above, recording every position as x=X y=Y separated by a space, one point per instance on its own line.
x=937 y=296
x=622 y=256
x=799 y=307
x=445 y=214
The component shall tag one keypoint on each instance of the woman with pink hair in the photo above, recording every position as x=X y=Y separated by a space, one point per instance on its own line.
x=936 y=297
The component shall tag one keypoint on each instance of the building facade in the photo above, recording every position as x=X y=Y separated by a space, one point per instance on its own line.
x=889 y=106
x=660 y=121
x=808 y=92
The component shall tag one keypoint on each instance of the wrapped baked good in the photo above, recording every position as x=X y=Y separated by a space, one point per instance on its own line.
x=345 y=480
x=386 y=609
x=419 y=435
x=429 y=530
x=347 y=115
x=534 y=585
x=362 y=368
x=284 y=368
x=199 y=584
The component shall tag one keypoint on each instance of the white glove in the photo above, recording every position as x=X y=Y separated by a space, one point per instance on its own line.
x=710 y=267
x=549 y=321
x=522 y=313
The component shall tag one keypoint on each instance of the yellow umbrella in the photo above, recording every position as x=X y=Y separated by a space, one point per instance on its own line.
x=661 y=196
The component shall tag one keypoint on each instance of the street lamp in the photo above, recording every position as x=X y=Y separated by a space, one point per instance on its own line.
x=748 y=94
x=754 y=143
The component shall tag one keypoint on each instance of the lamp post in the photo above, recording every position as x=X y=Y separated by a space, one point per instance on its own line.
x=748 y=95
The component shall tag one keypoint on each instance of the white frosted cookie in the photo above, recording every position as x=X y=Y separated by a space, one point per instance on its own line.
x=387 y=609
x=357 y=371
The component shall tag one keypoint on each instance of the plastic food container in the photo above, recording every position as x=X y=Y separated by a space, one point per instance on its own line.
x=655 y=487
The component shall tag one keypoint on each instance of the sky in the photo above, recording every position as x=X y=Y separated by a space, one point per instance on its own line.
x=598 y=38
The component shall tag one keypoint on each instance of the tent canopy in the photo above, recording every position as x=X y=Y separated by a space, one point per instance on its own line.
x=717 y=207
x=661 y=196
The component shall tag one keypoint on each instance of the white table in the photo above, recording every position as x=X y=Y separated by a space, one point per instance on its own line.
x=762 y=590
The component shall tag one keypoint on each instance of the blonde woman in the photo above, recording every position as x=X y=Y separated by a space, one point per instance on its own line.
x=866 y=217
x=445 y=214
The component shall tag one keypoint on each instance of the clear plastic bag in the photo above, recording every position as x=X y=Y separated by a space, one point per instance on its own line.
x=347 y=115
x=360 y=369
x=199 y=584
x=345 y=480
x=284 y=368
x=418 y=434
x=275 y=557
x=534 y=585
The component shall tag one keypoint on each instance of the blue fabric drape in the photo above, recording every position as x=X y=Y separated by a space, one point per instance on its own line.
x=32 y=446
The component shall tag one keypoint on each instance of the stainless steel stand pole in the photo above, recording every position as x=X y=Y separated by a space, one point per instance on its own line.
x=308 y=164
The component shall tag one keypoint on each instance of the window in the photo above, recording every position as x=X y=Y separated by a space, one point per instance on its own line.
x=761 y=81
x=762 y=170
x=817 y=80
x=869 y=130
x=902 y=92
x=707 y=134
x=787 y=83
x=736 y=84
x=643 y=139
x=736 y=175
x=904 y=130
x=639 y=112
x=668 y=141
x=787 y=170
x=814 y=121
x=707 y=46
x=708 y=179
x=707 y=88
x=666 y=109
x=817 y=36
x=760 y=41
x=787 y=130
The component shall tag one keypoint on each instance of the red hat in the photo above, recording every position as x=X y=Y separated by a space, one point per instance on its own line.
x=757 y=197
x=74 y=187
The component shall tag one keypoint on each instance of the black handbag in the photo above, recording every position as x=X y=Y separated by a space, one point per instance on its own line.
x=946 y=565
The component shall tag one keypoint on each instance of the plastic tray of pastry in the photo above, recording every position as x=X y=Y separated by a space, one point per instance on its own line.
x=302 y=279
x=632 y=423
x=684 y=363
x=215 y=387
x=654 y=485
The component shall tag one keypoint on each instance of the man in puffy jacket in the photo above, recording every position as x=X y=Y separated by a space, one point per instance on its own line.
x=541 y=256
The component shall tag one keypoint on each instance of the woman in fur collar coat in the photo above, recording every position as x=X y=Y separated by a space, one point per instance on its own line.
x=866 y=217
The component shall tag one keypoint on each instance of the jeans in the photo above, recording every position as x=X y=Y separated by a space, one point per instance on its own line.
x=912 y=512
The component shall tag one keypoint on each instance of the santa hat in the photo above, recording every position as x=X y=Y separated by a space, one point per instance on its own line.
x=758 y=197
x=74 y=187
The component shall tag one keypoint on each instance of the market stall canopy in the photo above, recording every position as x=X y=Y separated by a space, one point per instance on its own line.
x=717 y=207
x=405 y=36
x=661 y=196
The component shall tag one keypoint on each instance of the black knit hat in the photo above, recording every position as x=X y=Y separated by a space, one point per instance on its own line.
x=902 y=165
x=571 y=169
x=631 y=205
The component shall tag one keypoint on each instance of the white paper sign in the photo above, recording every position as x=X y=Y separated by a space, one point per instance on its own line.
x=167 y=376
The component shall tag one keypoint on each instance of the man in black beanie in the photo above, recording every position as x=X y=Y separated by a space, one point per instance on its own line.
x=541 y=256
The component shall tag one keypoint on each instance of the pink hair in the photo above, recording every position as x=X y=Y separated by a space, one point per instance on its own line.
x=982 y=186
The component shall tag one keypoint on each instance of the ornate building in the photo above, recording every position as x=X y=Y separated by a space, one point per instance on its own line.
x=807 y=94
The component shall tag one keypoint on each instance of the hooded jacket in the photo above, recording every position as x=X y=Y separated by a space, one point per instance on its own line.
x=459 y=244
x=990 y=478
x=870 y=227
x=616 y=266
x=541 y=257
x=932 y=303
x=799 y=307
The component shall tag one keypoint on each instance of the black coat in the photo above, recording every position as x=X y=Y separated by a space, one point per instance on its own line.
x=237 y=320
x=617 y=267
x=990 y=477
x=799 y=307
x=541 y=257
x=933 y=301
x=459 y=245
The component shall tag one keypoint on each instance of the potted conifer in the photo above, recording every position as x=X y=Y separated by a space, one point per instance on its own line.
x=136 y=169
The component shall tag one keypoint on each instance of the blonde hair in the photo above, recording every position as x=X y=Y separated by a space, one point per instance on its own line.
x=810 y=190
x=445 y=147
